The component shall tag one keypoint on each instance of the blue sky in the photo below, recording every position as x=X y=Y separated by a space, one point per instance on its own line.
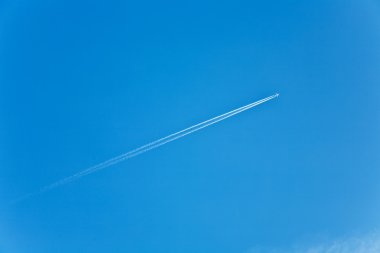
x=84 y=81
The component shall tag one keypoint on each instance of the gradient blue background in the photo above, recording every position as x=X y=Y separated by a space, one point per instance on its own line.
x=83 y=81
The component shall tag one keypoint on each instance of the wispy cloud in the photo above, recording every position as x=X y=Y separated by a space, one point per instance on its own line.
x=369 y=243
x=364 y=244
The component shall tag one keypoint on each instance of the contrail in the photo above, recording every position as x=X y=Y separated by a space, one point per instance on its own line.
x=145 y=148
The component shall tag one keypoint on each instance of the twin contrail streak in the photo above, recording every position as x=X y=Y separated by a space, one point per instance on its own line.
x=145 y=148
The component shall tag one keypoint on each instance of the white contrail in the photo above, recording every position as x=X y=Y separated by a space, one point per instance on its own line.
x=146 y=148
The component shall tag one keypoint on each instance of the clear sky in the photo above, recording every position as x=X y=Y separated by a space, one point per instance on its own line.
x=84 y=81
